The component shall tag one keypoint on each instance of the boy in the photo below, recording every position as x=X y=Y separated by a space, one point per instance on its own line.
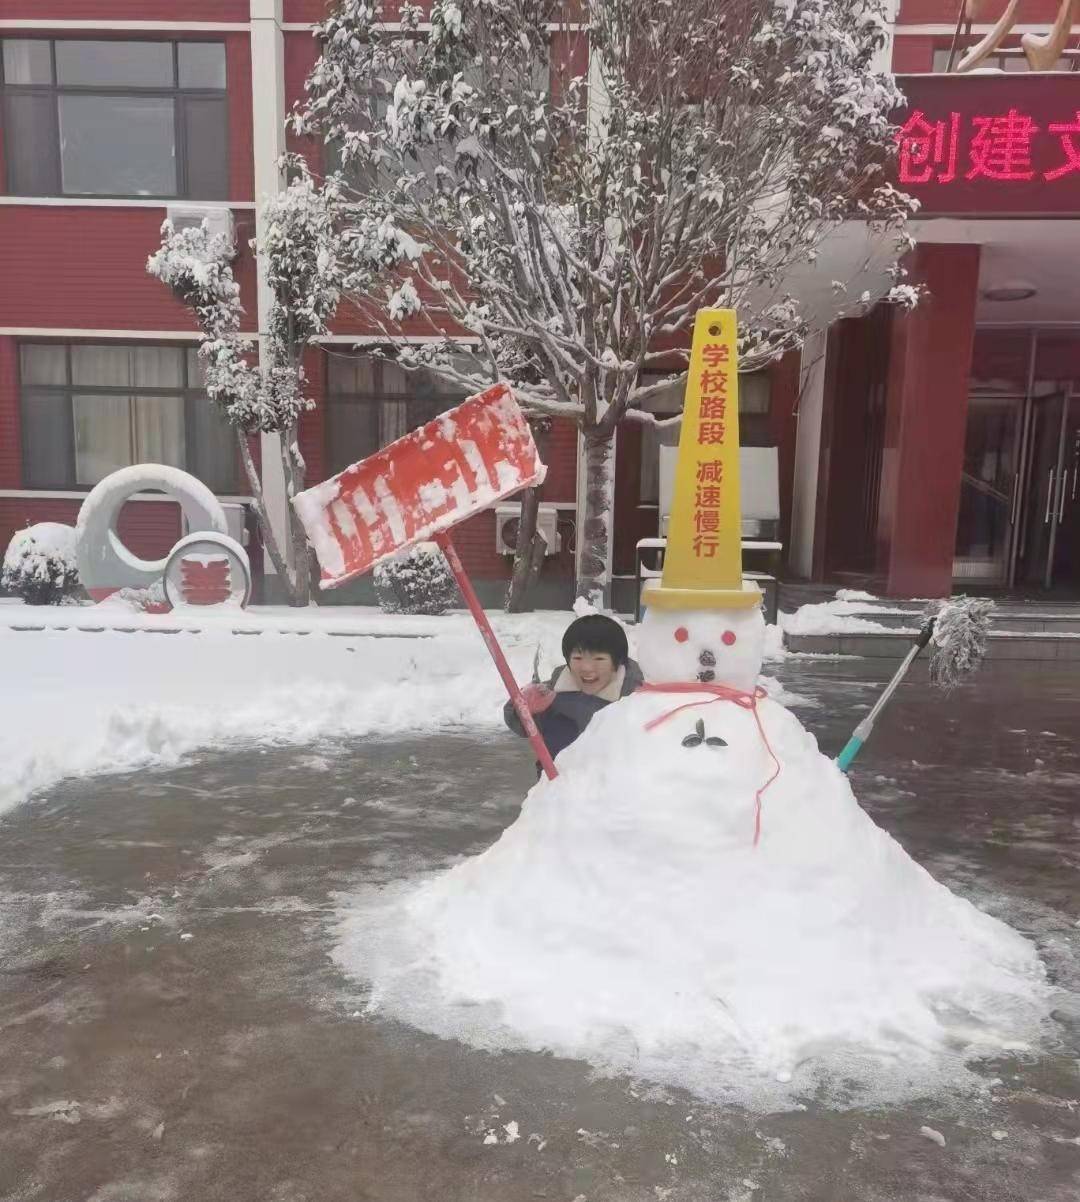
x=598 y=671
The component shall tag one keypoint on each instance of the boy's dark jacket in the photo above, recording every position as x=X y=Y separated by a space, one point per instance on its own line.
x=570 y=712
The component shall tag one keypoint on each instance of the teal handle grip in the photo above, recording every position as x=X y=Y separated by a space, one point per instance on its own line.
x=851 y=749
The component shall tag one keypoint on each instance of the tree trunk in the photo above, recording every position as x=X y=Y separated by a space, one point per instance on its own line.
x=531 y=544
x=294 y=467
x=536 y=562
x=266 y=530
x=594 y=580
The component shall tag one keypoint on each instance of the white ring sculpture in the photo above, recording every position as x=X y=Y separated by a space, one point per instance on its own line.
x=105 y=564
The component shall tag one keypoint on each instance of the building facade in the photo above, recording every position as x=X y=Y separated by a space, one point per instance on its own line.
x=911 y=449
x=940 y=449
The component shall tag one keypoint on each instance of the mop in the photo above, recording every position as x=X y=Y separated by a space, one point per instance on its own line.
x=958 y=629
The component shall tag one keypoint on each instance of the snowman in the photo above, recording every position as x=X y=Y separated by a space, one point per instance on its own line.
x=724 y=645
x=698 y=899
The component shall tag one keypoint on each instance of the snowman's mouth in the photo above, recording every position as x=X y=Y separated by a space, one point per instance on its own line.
x=706 y=676
x=707 y=661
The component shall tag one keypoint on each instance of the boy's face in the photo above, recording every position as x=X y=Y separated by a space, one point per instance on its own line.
x=593 y=670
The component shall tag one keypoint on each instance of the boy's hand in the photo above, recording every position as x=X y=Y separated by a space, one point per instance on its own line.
x=538 y=697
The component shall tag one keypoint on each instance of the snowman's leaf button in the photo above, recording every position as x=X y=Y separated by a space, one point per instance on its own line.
x=715 y=741
x=692 y=741
x=699 y=726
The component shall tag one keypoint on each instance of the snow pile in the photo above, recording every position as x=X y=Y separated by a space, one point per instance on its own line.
x=41 y=565
x=627 y=919
x=137 y=600
x=845 y=615
x=107 y=701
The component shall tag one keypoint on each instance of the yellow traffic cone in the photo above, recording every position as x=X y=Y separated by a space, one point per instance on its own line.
x=703 y=559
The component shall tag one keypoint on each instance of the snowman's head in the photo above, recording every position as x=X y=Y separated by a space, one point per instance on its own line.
x=713 y=646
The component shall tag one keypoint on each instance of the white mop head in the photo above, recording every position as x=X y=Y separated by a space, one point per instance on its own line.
x=961 y=628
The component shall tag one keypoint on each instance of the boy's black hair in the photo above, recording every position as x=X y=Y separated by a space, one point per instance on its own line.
x=597 y=634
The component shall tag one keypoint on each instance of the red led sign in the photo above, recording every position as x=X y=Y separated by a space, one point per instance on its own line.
x=998 y=145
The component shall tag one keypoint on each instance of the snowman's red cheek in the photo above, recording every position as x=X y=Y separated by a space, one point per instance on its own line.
x=681 y=634
x=728 y=638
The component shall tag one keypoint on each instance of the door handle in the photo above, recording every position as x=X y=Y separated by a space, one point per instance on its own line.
x=1061 y=503
x=1015 y=499
x=1049 y=497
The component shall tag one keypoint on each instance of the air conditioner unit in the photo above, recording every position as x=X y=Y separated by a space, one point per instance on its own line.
x=507 y=519
x=219 y=220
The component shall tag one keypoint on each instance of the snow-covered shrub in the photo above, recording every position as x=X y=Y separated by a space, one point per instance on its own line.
x=40 y=564
x=418 y=581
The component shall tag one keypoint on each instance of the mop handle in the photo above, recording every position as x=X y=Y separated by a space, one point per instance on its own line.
x=865 y=728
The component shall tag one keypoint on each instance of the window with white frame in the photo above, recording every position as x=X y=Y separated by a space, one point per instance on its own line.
x=115 y=118
x=89 y=409
x=370 y=402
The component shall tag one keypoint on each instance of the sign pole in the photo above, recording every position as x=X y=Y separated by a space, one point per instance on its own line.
x=480 y=618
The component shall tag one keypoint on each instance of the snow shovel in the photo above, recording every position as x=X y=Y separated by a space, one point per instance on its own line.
x=958 y=629
x=417 y=489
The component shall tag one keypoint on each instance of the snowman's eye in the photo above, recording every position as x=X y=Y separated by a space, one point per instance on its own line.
x=681 y=634
x=728 y=638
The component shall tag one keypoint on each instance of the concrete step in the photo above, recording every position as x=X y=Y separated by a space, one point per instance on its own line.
x=889 y=644
x=1014 y=622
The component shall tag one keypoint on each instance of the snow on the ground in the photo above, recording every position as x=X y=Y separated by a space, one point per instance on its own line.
x=78 y=701
x=96 y=688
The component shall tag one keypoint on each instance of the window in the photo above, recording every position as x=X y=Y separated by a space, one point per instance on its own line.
x=115 y=118
x=371 y=402
x=90 y=409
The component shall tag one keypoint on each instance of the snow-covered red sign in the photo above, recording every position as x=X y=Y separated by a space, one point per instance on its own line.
x=990 y=144
x=426 y=482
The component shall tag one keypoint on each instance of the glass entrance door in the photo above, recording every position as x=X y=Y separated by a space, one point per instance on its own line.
x=989 y=489
x=1019 y=515
x=1065 y=556
x=1042 y=496
x=1048 y=556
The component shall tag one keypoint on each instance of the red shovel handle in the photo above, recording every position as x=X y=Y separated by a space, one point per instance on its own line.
x=480 y=618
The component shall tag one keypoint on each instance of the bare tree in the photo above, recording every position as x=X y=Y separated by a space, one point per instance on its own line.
x=553 y=190
x=264 y=393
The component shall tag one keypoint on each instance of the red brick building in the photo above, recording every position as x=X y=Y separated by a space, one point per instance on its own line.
x=911 y=448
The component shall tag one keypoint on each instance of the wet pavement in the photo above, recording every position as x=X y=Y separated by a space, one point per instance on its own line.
x=172 y=1027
